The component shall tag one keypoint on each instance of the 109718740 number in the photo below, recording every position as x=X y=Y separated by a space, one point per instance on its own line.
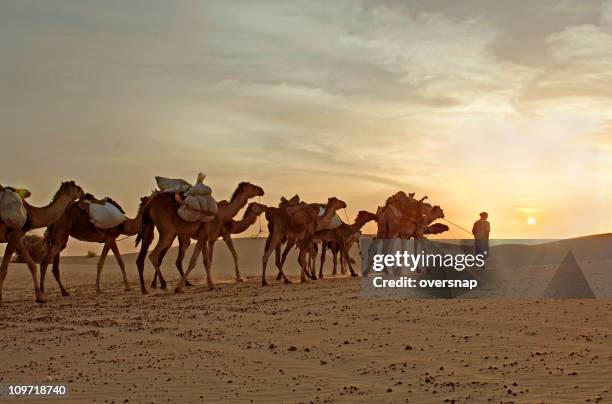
x=15 y=390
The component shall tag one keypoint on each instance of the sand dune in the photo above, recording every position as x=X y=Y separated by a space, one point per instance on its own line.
x=316 y=342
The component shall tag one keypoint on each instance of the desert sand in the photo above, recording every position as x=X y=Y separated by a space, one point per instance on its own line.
x=320 y=341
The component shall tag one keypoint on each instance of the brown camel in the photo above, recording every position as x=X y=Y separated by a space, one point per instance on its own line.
x=339 y=239
x=76 y=223
x=161 y=213
x=403 y=217
x=210 y=232
x=38 y=217
x=297 y=225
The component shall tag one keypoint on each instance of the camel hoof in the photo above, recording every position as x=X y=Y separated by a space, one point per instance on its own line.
x=211 y=286
x=129 y=289
x=64 y=293
x=287 y=281
x=353 y=275
x=178 y=290
x=144 y=291
x=98 y=291
x=187 y=283
x=264 y=282
x=40 y=300
x=240 y=279
x=278 y=277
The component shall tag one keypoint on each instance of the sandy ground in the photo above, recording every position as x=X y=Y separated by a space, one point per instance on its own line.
x=316 y=342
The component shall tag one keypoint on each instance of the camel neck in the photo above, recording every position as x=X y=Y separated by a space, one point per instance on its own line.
x=238 y=226
x=46 y=215
x=227 y=212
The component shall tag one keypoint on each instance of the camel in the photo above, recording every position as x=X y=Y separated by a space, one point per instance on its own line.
x=404 y=217
x=210 y=232
x=38 y=217
x=76 y=223
x=161 y=213
x=297 y=225
x=339 y=238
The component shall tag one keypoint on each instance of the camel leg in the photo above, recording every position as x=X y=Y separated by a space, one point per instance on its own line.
x=101 y=260
x=207 y=261
x=56 y=274
x=230 y=245
x=334 y=251
x=283 y=258
x=371 y=251
x=165 y=241
x=49 y=258
x=6 y=259
x=302 y=262
x=345 y=254
x=275 y=241
x=184 y=243
x=117 y=254
x=146 y=240
x=323 y=253
x=192 y=263
x=32 y=267
x=312 y=255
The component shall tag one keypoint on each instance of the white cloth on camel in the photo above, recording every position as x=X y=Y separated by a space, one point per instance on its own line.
x=335 y=221
x=105 y=216
x=12 y=211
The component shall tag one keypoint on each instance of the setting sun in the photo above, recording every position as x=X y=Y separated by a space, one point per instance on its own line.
x=532 y=221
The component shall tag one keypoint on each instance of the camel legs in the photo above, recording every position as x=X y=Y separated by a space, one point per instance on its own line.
x=280 y=263
x=323 y=252
x=230 y=245
x=103 y=255
x=53 y=256
x=345 y=254
x=165 y=241
x=302 y=261
x=184 y=243
x=334 y=251
x=119 y=259
x=200 y=247
x=147 y=239
x=56 y=274
x=275 y=241
x=15 y=243
x=6 y=259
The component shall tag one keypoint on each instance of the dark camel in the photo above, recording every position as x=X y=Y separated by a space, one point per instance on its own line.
x=297 y=225
x=210 y=232
x=339 y=239
x=38 y=217
x=76 y=223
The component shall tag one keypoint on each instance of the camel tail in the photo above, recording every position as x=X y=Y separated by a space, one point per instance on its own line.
x=145 y=232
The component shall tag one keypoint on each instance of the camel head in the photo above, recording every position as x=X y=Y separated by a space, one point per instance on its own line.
x=249 y=190
x=436 y=228
x=69 y=188
x=434 y=213
x=364 y=216
x=336 y=203
x=256 y=208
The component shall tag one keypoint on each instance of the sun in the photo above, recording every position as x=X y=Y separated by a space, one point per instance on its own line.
x=531 y=221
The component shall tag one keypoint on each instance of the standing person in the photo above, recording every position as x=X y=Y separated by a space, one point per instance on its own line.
x=481 y=230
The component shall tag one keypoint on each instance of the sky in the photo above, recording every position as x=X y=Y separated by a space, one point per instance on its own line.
x=497 y=106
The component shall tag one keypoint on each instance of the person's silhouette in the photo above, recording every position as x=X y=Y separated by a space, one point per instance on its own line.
x=481 y=230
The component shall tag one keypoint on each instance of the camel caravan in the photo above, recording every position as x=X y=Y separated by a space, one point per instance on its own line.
x=184 y=211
